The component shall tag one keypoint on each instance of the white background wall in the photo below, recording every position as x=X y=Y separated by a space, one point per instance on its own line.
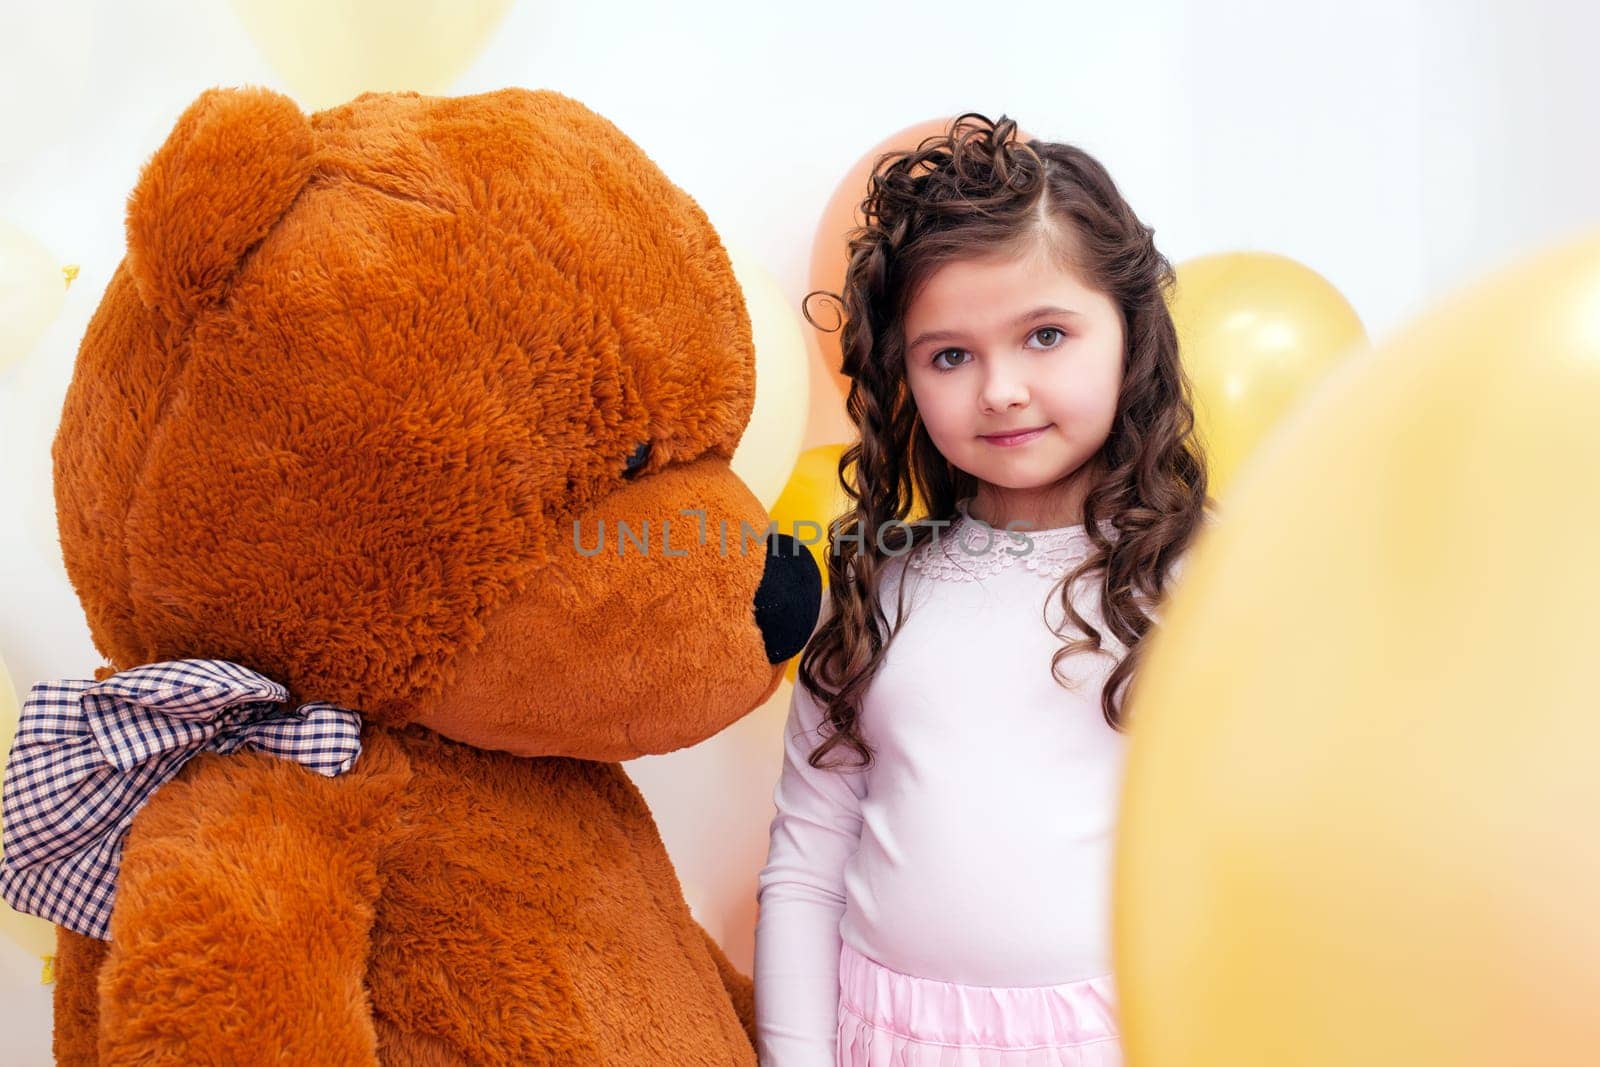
x=1399 y=148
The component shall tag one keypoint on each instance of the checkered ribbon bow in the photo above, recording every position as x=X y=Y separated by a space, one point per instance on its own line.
x=89 y=754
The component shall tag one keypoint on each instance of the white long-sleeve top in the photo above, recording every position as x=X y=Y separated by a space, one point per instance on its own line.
x=976 y=849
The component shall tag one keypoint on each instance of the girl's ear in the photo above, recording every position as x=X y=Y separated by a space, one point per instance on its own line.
x=228 y=171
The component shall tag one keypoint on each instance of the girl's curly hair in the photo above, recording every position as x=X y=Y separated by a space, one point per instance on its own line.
x=976 y=190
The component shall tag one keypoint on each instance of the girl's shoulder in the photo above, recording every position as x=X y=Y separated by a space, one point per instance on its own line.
x=889 y=583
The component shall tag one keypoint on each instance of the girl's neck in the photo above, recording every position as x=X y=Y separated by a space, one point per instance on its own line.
x=1047 y=508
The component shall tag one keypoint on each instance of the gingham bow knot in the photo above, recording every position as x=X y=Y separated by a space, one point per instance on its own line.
x=88 y=755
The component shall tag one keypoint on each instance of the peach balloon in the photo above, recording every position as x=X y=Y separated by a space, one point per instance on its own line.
x=827 y=421
x=829 y=250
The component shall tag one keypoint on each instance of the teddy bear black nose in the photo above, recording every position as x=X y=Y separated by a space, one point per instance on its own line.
x=788 y=598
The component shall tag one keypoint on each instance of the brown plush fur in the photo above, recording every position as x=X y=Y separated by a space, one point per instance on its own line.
x=341 y=405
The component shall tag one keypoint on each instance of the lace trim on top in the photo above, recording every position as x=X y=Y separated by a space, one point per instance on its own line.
x=969 y=549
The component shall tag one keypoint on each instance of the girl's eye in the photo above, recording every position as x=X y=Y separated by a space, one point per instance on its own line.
x=1050 y=335
x=946 y=352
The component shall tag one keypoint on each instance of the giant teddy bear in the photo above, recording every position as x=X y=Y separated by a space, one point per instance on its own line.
x=355 y=412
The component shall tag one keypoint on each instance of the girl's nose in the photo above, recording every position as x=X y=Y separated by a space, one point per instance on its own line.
x=1003 y=388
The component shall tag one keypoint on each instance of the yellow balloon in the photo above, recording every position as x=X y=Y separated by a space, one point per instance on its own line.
x=767 y=451
x=812 y=498
x=1257 y=331
x=1358 y=820
x=31 y=292
x=809 y=502
x=329 y=53
x=34 y=934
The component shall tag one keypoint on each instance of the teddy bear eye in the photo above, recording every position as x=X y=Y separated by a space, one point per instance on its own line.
x=640 y=456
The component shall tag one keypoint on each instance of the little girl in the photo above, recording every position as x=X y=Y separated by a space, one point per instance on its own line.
x=937 y=889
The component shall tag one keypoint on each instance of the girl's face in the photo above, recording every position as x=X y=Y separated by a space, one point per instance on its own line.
x=1000 y=344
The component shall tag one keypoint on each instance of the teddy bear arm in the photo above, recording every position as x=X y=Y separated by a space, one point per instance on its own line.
x=242 y=924
x=740 y=988
x=77 y=970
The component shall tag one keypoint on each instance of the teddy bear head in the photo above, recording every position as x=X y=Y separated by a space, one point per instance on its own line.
x=425 y=407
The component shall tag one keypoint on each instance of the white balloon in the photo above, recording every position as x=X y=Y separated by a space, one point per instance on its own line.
x=771 y=442
x=32 y=289
x=25 y=1007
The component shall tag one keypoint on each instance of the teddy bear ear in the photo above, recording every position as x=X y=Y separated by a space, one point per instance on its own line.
x=228 y=171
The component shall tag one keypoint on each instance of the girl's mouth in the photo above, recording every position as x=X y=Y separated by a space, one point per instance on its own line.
x=1018 y=437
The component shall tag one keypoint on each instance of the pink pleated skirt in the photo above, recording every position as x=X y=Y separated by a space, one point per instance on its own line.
x=889 y=1019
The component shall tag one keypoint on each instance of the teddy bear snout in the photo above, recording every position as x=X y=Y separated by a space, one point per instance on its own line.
x=788 y=598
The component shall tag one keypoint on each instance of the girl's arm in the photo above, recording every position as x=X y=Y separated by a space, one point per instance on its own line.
x=815 y=832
